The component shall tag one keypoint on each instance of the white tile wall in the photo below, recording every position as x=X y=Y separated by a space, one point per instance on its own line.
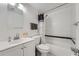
x=60 y=22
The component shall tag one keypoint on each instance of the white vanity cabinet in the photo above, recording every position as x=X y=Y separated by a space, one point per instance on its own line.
x=14 y=51
x=24 y=49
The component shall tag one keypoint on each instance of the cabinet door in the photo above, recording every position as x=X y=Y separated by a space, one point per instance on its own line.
x=15 y=51
x=29 y=49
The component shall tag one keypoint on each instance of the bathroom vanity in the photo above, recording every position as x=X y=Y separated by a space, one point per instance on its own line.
x=22 y=47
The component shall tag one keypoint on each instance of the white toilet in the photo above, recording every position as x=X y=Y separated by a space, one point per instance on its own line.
x=43 y=49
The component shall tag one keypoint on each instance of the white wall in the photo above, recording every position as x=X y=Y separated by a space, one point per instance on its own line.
x=60 y=22
x=6 y=31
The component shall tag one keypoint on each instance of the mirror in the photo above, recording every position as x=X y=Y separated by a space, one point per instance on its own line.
x=15 y=18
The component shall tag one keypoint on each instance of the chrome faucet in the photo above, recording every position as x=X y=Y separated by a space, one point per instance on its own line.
x=16 y=36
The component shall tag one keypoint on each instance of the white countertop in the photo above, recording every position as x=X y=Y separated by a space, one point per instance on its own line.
x=5 y=44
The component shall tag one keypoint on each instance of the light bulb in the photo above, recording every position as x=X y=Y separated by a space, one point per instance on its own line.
x=21 y=7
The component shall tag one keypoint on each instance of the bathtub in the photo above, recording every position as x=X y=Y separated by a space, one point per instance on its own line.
x=60 y=47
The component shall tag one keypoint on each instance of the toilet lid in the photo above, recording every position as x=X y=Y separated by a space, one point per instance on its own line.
x=43 y=46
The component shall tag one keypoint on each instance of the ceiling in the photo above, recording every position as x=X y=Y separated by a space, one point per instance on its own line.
x=43 y=7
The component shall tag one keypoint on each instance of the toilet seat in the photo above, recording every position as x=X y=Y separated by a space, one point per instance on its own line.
x=43 y=47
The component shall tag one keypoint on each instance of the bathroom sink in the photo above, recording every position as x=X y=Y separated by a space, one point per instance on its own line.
x=19 y=41
x=5 y=44
x=14 y=41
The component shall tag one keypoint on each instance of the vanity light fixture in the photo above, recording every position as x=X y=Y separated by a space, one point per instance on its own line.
x=19 y=6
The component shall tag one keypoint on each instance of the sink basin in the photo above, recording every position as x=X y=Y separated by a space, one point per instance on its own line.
x=22 y=40
x=14 y=42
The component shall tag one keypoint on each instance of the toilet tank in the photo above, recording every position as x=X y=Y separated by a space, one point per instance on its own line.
x=37 y=39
